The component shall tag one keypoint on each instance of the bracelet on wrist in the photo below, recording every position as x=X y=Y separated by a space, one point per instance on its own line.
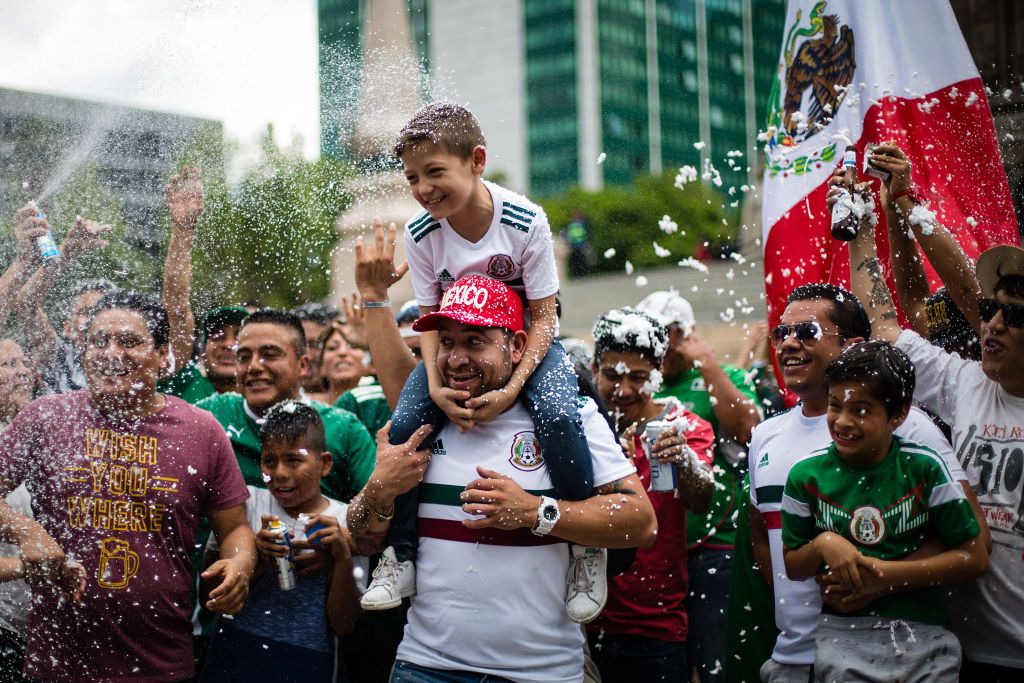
x=911 y=193
x=383 y=303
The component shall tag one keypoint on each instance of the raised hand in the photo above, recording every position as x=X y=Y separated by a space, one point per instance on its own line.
x=27 y=229
x=184 y=195
x=84 y=236
x=375 y=263
x=891 y=158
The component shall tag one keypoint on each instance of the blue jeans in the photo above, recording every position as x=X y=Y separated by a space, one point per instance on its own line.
x=709 y=574
x=626 y=658
x=405 y=672
x=551 y=398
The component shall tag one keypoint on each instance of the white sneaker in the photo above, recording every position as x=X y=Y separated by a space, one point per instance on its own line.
x=392 y=581
x=587 y=585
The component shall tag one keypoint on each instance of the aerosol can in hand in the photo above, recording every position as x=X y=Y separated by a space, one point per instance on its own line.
x=845 y=220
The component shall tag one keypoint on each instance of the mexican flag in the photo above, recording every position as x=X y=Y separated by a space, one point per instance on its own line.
x=875 y=71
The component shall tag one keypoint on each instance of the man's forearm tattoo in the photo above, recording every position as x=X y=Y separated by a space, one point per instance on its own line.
x=879 y=296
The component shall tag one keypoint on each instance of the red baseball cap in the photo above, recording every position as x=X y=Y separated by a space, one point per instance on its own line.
x=477 y=300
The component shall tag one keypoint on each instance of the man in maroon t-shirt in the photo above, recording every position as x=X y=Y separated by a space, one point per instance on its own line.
x=120 y=477
x=641 y=634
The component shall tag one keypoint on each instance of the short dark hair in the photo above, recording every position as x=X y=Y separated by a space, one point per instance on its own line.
x=321 y=314
x=151 y=310
x=292 y=420
x=1010 y=285
x=450 y=126
x=629 y=330
x=846 y=311
x=101 y=285
x=274 y=316
x=888 y=372
x=948 y=328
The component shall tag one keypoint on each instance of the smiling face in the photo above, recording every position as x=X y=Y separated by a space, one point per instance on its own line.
x=1002 y=348
x=219 y=352
x=624 y=384
x=858 y=423
x=441 y=182
x=311 y=377
x=342 y=364
x=477 y=359
x=16 y=379
x=269 y=369
x=121 y=363
x=294 y=472
x=803 y=363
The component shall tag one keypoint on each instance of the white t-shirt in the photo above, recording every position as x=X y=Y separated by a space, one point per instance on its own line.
x=262 y=502
x=494 y=602
x=516 y=249
x=775 y=446
x=988 y=436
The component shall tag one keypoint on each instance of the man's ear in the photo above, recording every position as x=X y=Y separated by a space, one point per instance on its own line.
x=853 y=340
x=303 y=363
x=326 y=463
x=518 y=345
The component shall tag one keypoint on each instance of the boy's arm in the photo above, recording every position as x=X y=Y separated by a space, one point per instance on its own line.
x=544 y=320
x=943 y=252
x=342 y=595
x=448 y=400
x=841 y=556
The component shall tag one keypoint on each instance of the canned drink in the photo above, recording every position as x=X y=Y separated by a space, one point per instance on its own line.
x=284 y=566
x=48 y=250
x=663 y=474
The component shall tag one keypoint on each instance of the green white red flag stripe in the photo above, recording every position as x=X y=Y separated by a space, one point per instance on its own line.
x=911 y=79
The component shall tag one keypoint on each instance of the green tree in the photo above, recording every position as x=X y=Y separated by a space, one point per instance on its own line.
x=626 y=219
x=271 y=240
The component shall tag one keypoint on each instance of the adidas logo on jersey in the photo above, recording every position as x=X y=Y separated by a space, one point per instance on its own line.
x=763 y=462
x=437 y=448
x=445 y=277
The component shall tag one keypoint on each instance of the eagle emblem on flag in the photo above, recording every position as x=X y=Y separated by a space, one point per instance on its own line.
x=817 y=66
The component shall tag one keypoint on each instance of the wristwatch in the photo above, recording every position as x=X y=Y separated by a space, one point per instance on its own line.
x=547 y=516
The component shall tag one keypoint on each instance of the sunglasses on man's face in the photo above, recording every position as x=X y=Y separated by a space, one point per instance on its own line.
x=808 y=332
x=1013 y=314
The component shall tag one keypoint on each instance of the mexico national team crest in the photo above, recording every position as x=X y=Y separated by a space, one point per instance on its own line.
x=526 y=452
x=816 y=67
x=867 y=526
x=501 y=266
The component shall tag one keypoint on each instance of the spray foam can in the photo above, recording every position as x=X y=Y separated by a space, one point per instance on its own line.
x=284 y=566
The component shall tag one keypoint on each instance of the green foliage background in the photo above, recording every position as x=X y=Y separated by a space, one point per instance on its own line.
x=626 y=219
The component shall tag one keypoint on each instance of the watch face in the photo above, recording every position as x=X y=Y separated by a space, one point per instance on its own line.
x=550 y=513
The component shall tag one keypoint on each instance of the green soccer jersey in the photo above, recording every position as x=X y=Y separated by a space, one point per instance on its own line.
x=189 y=385
x=885 y=511
x=367 y=402
x=347 y=440
x=717 y=527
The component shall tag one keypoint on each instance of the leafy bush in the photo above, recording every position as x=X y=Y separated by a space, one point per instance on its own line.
x=626 y=219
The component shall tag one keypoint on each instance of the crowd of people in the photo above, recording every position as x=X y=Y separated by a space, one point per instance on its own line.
x=451 y=491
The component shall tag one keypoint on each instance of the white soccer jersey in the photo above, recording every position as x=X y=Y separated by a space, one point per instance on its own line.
x=775 y=446
x=987 y=615
x=517 y=249
x=493 y=602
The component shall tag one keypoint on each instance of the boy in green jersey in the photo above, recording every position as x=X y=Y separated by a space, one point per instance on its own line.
x=861 y=508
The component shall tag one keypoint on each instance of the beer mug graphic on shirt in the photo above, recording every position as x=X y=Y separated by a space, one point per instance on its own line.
x=118 y=563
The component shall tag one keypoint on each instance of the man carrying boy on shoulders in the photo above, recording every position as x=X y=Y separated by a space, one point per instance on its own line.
x=488 y=526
